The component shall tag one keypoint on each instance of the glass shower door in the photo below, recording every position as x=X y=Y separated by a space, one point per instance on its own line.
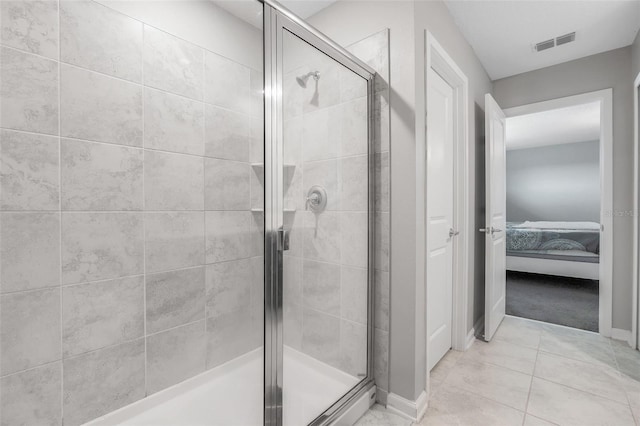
x=319 y=217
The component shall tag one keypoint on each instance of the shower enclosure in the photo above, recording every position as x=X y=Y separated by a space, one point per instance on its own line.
x=186 y=215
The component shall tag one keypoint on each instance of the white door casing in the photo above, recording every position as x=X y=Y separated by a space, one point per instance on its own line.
x=440 y=216
x=495 y=229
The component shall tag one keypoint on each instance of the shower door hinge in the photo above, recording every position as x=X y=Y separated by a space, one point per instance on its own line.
x=283 y=238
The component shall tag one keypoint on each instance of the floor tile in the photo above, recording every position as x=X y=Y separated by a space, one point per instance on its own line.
x=567 y=406
x=596 y=379
x=453 y=406
x=586 y=347
x=519 y=331
x=379 y=416
x=499 y=384
x=530 y=420
x=503 y=354
x=442 y=369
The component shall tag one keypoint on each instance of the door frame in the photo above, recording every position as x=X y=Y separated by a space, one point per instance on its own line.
x=635 y=323
x=605 y=97
x=276 y=20
x=438 y=60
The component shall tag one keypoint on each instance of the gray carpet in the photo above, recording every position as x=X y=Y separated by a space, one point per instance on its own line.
x=572 y=302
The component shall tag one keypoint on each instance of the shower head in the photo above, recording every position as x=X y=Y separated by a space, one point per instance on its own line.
x=302 y=80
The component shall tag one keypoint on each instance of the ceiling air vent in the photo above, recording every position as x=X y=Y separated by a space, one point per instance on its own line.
x=544 y=45
x=564 y=39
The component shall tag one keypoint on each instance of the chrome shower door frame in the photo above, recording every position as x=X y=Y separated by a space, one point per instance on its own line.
x=277 y=20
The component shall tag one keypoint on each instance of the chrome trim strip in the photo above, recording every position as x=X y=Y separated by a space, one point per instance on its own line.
x=328 y=44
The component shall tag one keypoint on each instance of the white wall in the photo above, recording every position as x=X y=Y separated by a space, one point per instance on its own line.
x=554 y=182
x=605 y=70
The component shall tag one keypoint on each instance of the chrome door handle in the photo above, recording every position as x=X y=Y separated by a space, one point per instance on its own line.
x=490 y=230
x=283 y=238
x=453 y=233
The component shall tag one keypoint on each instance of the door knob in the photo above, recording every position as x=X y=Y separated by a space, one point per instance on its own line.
x=453 y=233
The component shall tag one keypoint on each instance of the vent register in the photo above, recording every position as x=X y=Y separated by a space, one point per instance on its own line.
x=558 y=41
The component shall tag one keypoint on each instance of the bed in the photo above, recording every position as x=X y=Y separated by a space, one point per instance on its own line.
x=569 y=249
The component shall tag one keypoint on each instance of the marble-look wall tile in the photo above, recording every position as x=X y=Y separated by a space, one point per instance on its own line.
x=29 y=251
x=97 y=176
x=173 y=123
x=325 y=173
x=321 y=337
x=229 y=287
x=292 y=325
x=382 y=182
x=322 y=236
x=352 y=86
x=353 y=348
x=381 y=299
x=257 y=94
x=292 y=279
x=30 y=25
x=97 y=246
x=354 y=291
x=99 y=108
x=381 y=244
x=28 y=171
x=354 y=183
x=257 y=188
x=354 y=231
x=174 y=240
x=374 y=51
x=321 y=135
x=101 y=314
x=256 y=144
x=172 y=64
x=98 y=38
x=29 y=329
x=227 y=83
x=228 y=336
x=354 y=127
x=321 y=286
x=175 y=298
x=173 y=181
x=382 y=132
x=381 y=358
x=227 y=185
x=32 y=397
x=28 y=92
x=228 y=235
x=102 y=381
x=328 y=86
x=227 y=134
x=175 y=355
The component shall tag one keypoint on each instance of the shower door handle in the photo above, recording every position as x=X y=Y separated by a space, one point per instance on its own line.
x=283 y=238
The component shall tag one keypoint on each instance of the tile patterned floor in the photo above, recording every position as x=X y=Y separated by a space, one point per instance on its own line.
x=532 y=374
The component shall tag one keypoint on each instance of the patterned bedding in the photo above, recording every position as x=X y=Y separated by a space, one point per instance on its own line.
x=578 y=239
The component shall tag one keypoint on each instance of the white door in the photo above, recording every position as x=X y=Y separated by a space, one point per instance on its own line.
x=440 y=208
x=495 y=230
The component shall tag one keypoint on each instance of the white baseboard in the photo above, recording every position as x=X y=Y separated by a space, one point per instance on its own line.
x=412 y=410
x=619 y=334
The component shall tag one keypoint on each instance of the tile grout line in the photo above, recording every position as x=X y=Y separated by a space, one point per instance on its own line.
x=526 y=405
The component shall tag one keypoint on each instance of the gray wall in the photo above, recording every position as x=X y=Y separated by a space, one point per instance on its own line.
x=605 y=70
x=346 y=22
x=130 y=258
x=554 y=182
x=635 y=56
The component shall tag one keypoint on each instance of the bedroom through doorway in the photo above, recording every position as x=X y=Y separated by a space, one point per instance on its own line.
x=554 y=215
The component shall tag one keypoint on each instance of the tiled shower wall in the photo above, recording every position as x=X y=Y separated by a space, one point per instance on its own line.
x=130 y=258
x=325 y=278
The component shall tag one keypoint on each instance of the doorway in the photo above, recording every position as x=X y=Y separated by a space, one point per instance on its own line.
x=557 y=258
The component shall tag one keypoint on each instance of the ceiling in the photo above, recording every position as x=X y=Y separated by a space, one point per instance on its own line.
x=503 y=33
x=580 y=123
x=251 y=10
